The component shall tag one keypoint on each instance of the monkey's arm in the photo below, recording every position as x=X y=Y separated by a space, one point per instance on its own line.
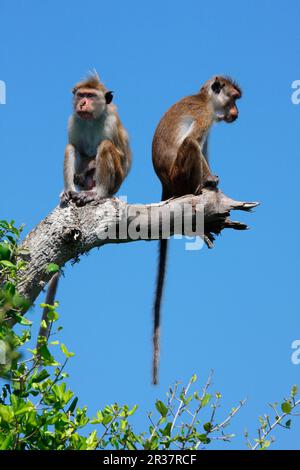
x=208 y=179
x=69 y=172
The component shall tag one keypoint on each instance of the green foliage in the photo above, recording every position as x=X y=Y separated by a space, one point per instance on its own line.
x=52 y=268
x=38 y=411
x=287 y=407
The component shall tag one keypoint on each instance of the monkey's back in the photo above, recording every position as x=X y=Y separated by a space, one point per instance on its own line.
x=175 y=125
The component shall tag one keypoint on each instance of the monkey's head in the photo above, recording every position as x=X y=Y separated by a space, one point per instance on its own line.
x=90 y=98
x=224 y=92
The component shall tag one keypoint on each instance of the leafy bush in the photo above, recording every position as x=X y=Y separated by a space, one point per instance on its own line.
x=39 y=411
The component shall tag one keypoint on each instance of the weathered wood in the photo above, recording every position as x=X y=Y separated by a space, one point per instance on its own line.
x=68 y=232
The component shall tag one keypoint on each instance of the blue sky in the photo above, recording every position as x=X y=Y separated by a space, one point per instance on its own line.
x=234 y=309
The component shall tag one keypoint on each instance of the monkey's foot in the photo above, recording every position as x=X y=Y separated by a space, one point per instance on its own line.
x=82 y=198
x=64 y=198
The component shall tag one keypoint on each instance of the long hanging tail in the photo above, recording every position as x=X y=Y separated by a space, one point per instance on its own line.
x=50 y=298
x=163 y=252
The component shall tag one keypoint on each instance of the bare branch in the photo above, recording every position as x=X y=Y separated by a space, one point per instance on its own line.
x=70 y=231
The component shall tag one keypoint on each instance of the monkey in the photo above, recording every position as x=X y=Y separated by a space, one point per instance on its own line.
x=180 y=160
x=97 y=156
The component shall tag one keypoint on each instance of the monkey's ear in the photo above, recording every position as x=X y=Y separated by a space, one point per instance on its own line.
x=216 y=86
x=108 y=97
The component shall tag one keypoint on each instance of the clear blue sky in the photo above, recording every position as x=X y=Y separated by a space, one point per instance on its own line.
x=234 y=309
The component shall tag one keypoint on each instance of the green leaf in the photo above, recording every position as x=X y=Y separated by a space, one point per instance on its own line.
x=132 y=411
x=130 y=446
x=161 y=408
x=41 y=376
x=20 y=319
x=6 y=444
x=207 y=427
x=288 y=423
x=206 y=399
x=8 y=264
x=167 y=430
x=92 y=440
x=52 y=315
x=45 y=353
x=294 y=391
x=24 y=408
x=20 y=302
x=73 y=405
x=65 y=351
x=52 y=268
x=6 y=413
x=286 y=407
x=107 y=419
x=193 y=379
x=204 y=439
x=99 y=418
x=123 y=425
x=5 y=252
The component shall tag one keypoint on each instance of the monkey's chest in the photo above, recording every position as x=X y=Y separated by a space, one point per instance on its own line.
x=89 y=135
x=88 y=145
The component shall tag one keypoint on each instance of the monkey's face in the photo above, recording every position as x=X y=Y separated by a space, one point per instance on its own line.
x=89 y=103
x=224 y=92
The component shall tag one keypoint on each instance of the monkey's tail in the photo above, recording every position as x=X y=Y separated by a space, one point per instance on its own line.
x=163 y=252
x=45 y=327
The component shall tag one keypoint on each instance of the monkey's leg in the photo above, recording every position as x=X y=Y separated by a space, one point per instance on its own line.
x=108 y=176
x=190 y=171
x=109 y=172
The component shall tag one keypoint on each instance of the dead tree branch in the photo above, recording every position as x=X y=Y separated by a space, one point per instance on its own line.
x=70 y=231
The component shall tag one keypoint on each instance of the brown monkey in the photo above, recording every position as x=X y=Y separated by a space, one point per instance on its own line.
x=177 y=152
x=97 y=157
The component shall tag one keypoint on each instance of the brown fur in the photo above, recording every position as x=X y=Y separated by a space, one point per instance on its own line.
x=91 y=82
x=180 y=164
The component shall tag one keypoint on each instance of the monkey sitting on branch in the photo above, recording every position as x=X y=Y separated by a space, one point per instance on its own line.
x=180 y=163
x=97 y=157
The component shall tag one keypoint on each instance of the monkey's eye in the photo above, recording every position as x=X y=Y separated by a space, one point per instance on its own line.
x=86 y=95
x=216 y=87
